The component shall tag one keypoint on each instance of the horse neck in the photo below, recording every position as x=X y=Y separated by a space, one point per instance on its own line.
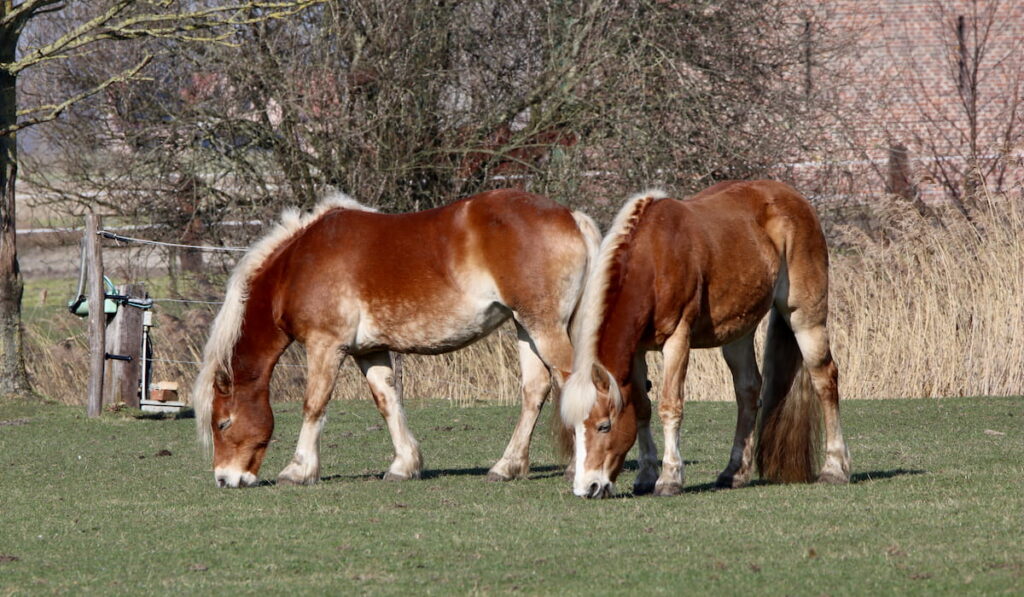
x=628 y=311
x=261 y=342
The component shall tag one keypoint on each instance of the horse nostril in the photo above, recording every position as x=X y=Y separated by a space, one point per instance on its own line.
x=221 y=482
x=594 y=489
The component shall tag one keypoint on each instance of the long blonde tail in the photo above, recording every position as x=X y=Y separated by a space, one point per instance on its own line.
x=789 y=433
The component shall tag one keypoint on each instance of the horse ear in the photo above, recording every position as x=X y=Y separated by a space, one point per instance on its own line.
x=222 y=382
x=599 y=375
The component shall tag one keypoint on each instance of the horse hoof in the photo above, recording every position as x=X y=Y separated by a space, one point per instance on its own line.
x=391 y=476
x=830 y=478
x=496 y=477
x=668 y=489
x=643 y=488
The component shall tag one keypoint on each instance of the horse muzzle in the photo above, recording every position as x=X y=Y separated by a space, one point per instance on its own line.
x=597 y=486
x=234 y=478
x=600 y=491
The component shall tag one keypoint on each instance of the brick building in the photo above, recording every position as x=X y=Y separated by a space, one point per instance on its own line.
x=924 y=99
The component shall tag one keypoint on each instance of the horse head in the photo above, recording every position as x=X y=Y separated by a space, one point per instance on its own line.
x=241 y=425
x=605 y=423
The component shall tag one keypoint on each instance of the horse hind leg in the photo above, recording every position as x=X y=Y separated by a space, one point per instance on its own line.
x=515 y=462
x=824 y=375
x=802 y=303
x=324 y=359
x=746 y=380
x=380 y=375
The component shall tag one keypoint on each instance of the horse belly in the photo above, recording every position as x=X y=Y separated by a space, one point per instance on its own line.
x=727 y=330
x=428 y=327
x=736 y=309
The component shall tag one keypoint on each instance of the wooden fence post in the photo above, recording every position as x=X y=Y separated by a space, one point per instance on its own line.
x=97 y=318
x=124 y=340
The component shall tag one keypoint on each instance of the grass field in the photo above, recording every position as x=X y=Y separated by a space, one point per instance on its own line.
x=127 y=506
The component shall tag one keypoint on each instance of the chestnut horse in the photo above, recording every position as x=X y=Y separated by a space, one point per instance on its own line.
x=346 y=280
x=675 y=275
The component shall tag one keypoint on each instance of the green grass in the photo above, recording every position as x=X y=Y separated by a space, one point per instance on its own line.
x=89 y=506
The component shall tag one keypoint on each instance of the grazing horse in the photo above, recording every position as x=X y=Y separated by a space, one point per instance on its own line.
x=346 y=280
x=700 y=273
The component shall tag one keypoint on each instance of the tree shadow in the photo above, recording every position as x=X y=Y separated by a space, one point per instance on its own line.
x=185 y=413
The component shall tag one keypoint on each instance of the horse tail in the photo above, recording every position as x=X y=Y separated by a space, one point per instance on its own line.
x=592 y=240
x=563 y=435
x=789 y=433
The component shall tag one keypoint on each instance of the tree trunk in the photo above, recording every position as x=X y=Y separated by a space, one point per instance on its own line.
x=13 y=376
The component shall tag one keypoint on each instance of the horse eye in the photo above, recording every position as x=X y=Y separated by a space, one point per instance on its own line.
x=604 y=426
x=224 y=424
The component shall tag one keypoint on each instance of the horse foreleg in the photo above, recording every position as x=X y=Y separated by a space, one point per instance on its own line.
x=746 y=381
x=648 y=452
x=380 y=375
x=515 y=462
x=324 y=359
x=670 y=409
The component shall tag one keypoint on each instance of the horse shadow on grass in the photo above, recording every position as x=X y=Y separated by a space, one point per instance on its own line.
x=555 y=471
x=427 y=474
x=856 y=478
x=883 y=475
x=536 y=472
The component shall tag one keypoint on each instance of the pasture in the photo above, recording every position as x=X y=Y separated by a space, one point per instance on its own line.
x=127 y=505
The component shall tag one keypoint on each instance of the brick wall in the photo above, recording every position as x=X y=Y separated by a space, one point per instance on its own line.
x=899 y=84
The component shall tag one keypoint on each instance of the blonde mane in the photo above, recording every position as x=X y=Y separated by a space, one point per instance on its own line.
x=227 y=326
x=579 y=393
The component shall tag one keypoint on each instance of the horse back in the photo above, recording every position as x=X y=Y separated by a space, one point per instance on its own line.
x=425 y=281
x=530 y=245
x=718 y=256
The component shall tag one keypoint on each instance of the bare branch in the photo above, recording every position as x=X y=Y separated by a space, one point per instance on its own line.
x=14 y=21
x=187 y=26
x=53 y=111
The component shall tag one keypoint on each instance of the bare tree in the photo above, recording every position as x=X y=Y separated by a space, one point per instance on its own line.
x=83 y=29
x=971 y=140
x=410 y=105
x=934 y=100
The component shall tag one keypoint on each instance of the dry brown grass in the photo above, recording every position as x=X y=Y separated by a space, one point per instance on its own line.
x=936 y=310
x=918 y=310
